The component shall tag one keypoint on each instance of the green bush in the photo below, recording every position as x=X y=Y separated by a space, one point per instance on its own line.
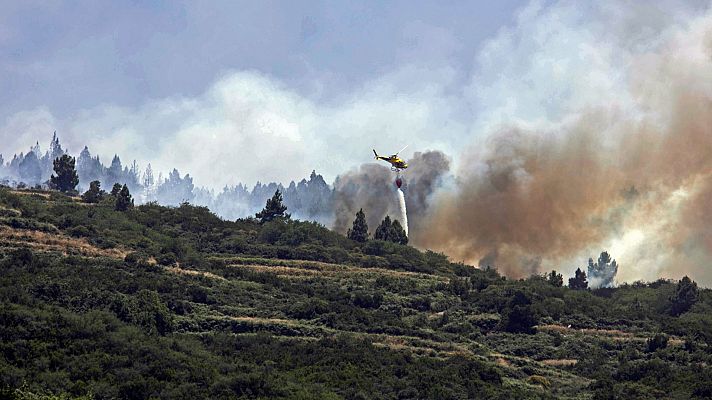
x=308 y=309
x=657 y=342
x=367 y=300
x=29 y=224
x=9 y=213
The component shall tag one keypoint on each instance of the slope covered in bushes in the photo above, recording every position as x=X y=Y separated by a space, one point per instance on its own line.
x=159 y=302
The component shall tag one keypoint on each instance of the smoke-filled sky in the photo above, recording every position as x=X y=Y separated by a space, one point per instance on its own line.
x=572 y=127
x=307 y=84
x=234 y=85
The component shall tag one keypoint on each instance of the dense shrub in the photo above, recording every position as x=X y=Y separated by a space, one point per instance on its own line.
x=367 y=300
x=252 y=311
x=657 y=342
x=519 y=316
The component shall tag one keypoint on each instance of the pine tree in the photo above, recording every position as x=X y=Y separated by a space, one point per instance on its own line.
x=84 y=165
x=383 y=232
x=555 y=279
x=317 y=195
x=36 y=149
x=148 y=184
x=685 y=296
x=148 y=180
x=115 y=172
x=14 y=164
x=604 y=258
x=124 y=200
x=602 y=273
x=132 y=176
x=175 y=190
x=67 y=178
x=397 y=233
x=54 y=152
x=578 y=282
x=391 y=230
x=55 y=149
x=116 y=189
x=30 y=170
x=273 y=209
x=94 y=194
x=359 y=231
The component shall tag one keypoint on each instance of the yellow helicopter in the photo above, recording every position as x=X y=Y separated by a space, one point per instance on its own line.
x=397 y=163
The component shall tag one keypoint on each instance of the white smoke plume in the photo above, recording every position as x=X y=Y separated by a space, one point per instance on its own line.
x=403 y=211
x=602 y=274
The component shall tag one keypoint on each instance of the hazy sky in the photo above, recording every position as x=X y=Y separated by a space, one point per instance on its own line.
x=257 y=90
x=72 y=55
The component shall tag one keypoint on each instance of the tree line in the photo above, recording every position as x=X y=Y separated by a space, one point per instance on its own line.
x=388 y=230
x=310 y=199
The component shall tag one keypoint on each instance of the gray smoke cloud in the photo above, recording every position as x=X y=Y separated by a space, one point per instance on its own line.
x=427 y=173
x=372 y=187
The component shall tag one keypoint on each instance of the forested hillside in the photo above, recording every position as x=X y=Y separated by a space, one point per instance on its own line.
x=100 y=299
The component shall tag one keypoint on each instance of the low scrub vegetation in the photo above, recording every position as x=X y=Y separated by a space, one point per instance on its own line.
x=174 y=302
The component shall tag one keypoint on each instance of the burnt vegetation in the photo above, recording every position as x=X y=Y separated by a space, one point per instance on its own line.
x=102 y=299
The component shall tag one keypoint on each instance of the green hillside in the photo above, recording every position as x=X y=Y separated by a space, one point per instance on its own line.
x=158 y=302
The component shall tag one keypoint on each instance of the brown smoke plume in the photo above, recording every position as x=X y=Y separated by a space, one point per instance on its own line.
x=527 y=201
x=633 y=178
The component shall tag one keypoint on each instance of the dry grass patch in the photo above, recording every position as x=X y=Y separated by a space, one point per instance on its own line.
x=192 y=272
x=282 y=270
x=553 y=328
x=29 y=193
x=502 y=362
x=291 y=268
x=607 y=332
x=587 y=331
x=611 y=334
x=417 y=345
x=560 y=362
x=267 y=321
x=56 y=242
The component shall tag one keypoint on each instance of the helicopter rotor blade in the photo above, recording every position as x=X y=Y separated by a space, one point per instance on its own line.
x=406 y=146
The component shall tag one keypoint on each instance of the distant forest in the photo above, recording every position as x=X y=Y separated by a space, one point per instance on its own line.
x=309 y=199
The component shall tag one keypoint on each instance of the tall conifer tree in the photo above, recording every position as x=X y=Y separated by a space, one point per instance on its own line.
x=359 y=231
x=67 y=178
